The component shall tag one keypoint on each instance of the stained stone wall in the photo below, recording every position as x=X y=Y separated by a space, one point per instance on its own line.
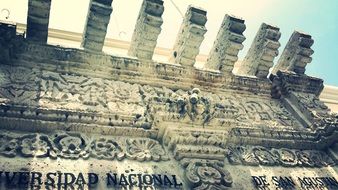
x=65 y=110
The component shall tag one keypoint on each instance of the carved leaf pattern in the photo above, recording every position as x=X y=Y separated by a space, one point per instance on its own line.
x=73 y=145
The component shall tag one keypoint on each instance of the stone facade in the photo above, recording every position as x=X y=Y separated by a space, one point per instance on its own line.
x=169 y=125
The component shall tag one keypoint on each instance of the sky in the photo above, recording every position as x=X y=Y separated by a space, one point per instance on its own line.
x=319 y=18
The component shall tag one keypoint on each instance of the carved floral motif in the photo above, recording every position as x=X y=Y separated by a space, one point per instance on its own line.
x=287 y=157
x=145 y=150
x=103 y=148
x=73 y=145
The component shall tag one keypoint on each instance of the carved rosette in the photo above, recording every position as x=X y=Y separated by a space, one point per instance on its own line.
x=206 y=174
x=106 y=149
x=71 y=145
x=145 y=150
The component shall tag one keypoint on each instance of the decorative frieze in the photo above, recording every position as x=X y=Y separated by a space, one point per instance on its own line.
x=190 y=37
x=73 y=145
x=205 y=108
x=258 y=155
x=262 y=52
x=228 y=43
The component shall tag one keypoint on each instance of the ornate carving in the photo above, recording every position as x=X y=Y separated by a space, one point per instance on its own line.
x=145 y=150
x=72 y=145
x=264 y=156
x=35 y=145
x=17 y=85
x=103 y=148
x=89 y=94
x=205 y=138
x=284 y=157
x=206 y=174
x=241 y=154
x=8 y=145
x=216 y=110
x=312 y=103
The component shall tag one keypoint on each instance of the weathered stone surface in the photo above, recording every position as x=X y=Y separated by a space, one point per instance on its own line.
x=190 y=37
x=296 y=55
x=137 y=116
x=8 y=42
x=262 y=52
x=96 y=25
x=228 y=43
x=147 y=29
x=38 y=20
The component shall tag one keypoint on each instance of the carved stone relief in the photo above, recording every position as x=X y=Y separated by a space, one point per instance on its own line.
x=18 y=86
x=81 y=93
x=270 y=157
x=72 y=145
x=206 y=108
x=55 y=91
x=206 y=174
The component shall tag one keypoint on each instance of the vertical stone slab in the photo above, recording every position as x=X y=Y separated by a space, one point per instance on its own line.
x=190 y=37
x=96 y=25
x=262 y=52
x=228 y=43
x=38 y=20
x=7 y=42
x=296 y=55
x=147 y=29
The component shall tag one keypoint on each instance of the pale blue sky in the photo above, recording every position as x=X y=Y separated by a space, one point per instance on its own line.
x=318 y=18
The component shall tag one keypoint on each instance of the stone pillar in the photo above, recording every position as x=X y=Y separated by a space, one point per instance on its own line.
x=262 y=52
x=7 y=42
x=147 y=29
x=38 y=20
x=190 y=37
x=296 y=55
x=228 y=43
x=96 y=26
